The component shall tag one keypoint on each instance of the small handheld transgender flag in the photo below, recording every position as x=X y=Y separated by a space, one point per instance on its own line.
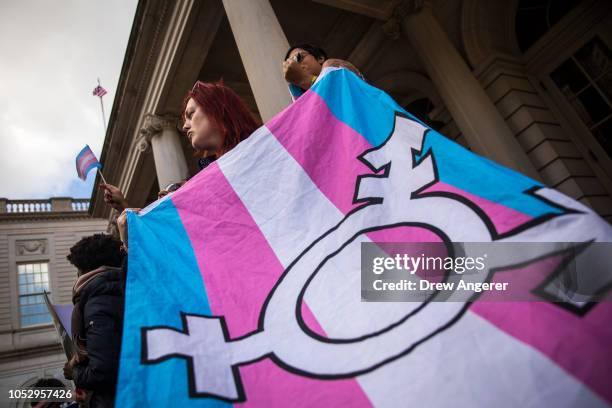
x=86 y=160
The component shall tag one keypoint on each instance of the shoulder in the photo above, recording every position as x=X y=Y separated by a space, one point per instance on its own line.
x=105 y=283
x=335 y=62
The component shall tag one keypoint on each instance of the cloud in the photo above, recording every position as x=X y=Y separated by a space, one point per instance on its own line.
x=52 y=53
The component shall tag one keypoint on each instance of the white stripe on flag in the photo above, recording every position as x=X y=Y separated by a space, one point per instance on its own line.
x=472 y=363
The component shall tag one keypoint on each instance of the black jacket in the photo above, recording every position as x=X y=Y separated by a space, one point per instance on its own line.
x=102 y=311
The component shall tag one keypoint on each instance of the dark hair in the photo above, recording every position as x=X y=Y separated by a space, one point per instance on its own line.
x=311 y=49
x=95 y=251
x=47 y=383
x=225 y=110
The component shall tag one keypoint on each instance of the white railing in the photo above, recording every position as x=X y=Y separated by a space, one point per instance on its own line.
x=43 y=206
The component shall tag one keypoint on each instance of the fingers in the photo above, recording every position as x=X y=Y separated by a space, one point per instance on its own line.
x=289 y=66
x=334 y=62
x=109 y=188
x=131 y=209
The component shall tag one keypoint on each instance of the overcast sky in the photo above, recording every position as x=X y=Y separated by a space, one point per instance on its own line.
x=51 y=53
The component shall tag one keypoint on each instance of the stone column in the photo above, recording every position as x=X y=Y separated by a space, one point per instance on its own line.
x=163 y=135
x=480 y=122
x=262 y=46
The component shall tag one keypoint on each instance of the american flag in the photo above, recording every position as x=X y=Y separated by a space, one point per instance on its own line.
x=99 y=91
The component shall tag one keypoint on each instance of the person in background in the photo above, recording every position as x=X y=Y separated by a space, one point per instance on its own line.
x=303 y=64
x=97 y=317
x=114 y=197
x=52 y=384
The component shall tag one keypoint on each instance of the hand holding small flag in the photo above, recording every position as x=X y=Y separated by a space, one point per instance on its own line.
x=86 y=160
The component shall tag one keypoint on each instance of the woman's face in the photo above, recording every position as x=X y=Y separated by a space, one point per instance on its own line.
x=312 y=65
x=199 y=130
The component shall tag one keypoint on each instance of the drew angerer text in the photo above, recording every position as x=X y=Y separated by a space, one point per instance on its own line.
x=426 y=285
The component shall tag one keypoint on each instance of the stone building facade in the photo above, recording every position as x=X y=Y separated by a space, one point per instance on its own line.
x=526 y=83
x=35 y=237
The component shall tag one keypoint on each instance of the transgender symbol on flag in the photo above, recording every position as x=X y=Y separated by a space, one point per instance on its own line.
x=390 y=201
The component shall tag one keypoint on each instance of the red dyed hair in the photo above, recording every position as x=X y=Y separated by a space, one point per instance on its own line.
x=225 y=110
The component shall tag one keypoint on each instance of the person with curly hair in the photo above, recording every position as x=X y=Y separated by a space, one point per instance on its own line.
x=97 y=296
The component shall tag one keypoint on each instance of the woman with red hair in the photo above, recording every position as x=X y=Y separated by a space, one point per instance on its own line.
x=215 y=120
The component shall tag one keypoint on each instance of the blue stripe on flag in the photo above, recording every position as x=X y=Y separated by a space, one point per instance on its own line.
x=155 y=296
x=371 y=113
x=92 y=166
x=83 y=151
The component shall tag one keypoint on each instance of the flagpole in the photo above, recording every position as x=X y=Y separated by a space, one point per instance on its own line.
x=104 y=122
x=103 y=115
x=102 y=176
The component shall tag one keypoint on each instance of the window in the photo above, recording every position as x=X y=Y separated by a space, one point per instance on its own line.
x=33 y=281
x=535 y=17
x=585 y=79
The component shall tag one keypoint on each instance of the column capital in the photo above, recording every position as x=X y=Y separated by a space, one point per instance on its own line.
x=143 y=143
x=393 y=27
x=154 y=124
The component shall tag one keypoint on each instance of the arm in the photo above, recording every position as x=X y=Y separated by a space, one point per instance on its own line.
x=122 y=226
x=114 y=197
x=101 y=314
x=297 y=74
x=335 y=62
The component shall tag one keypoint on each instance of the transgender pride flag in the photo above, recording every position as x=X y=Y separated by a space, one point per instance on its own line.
x=244 y=286
x=86 y=160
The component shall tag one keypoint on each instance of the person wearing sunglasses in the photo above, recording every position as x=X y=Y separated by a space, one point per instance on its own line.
x=303 y=64
x=170 y=188
x=114 y=197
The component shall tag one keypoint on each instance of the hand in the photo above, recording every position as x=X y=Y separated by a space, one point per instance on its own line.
x=68 y=368
x=335 y=62
x=296 y=73
x=80 y=395
x=122 y=226
x=114 y=197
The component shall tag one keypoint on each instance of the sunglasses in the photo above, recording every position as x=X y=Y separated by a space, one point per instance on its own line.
x=173 y=187
x=299 y=57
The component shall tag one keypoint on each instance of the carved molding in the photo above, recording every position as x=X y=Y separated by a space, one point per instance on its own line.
x=154 y=124
x=31 y=247
x=393 y=27
x=143 y=144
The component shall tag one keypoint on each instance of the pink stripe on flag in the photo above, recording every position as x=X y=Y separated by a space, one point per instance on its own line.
x=83 y=166
x=335 y=148
x=579 y=345
x=86 y=162
x=504 y=218
x=232 y=252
